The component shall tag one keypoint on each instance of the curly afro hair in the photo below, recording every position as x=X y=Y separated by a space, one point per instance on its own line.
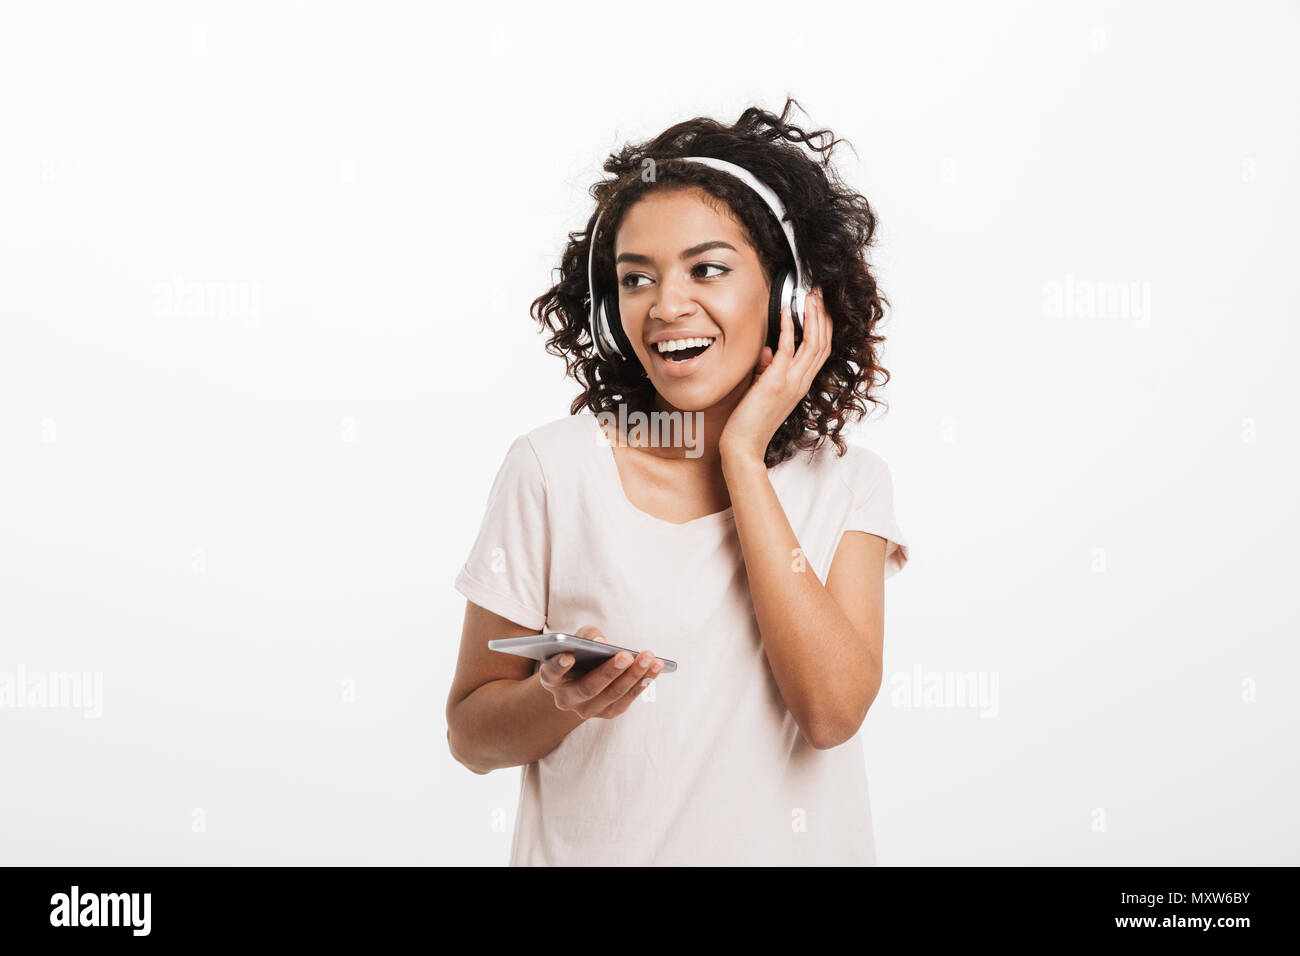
x=833 y=226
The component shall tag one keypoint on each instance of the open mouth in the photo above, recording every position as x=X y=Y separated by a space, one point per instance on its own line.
x=682 y=354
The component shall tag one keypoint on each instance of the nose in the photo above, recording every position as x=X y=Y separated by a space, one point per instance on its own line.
x=673 y=301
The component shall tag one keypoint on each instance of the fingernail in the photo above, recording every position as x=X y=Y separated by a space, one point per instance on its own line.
x=621 y=661
x=656 y=667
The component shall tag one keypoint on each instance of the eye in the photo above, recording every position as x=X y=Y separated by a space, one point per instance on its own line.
x=628 y=281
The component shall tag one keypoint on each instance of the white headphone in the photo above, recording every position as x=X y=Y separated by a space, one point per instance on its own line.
x=789 y=289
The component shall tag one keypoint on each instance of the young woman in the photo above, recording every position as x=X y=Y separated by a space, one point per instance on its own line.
x=752 y=551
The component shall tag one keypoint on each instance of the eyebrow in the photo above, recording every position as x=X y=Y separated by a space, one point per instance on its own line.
x=686 y=253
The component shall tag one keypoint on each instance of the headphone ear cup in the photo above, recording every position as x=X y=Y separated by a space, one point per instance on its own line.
x=782 y=290
x=621 y=347
x=598 y=329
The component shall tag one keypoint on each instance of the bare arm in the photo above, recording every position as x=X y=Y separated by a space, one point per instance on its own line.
x=823 y=643
x=502 y=714
x=498 y=713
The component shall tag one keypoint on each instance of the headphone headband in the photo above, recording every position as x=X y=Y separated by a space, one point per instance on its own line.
x=598 y=321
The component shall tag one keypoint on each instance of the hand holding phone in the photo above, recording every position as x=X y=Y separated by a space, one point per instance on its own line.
x=605 y=690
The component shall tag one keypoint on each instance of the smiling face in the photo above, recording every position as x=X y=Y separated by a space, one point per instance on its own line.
x=686 y=271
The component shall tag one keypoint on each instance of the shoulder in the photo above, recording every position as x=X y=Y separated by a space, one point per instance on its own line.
x=858 y=469
x=563 y=434
x=865 y=463
x=867 y=474
x=555 y=445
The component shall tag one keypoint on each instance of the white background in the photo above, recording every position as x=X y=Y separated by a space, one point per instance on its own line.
x=246 y=508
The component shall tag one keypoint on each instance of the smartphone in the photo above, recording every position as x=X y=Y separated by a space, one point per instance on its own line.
x=587 y=654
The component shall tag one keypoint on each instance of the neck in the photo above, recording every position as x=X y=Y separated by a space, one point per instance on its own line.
x=706 y=425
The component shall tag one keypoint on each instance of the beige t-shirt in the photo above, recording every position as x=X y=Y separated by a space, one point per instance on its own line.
x=707 y=767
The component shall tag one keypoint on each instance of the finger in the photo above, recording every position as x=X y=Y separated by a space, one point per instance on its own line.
x=798 y=366
x=593 y=683
x=828 y=327
x=624 y=702
x=811 y=331
x=816 y=341
x=555 y=670
x=630 y=679
x=591 y=632
x=823 y=333
x=828 y=331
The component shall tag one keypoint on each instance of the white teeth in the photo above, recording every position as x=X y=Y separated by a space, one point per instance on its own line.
x=675 y=344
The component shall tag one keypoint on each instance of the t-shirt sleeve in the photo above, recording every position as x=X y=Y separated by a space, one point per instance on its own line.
x=508 y=568
x=873 y=511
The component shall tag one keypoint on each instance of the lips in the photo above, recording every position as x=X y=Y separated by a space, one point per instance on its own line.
x=679 y=369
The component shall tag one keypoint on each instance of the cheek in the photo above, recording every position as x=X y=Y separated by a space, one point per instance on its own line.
x=743 y=319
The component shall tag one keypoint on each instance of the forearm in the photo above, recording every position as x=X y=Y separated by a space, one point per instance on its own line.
x=824 y=669
x=507 y=723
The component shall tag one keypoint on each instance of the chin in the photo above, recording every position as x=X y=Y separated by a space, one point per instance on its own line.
x=690 y=395
x=698 y=384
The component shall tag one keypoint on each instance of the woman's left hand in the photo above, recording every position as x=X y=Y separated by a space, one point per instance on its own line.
x=780 y=382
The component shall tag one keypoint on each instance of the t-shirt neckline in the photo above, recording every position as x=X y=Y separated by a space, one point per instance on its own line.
x=605 y=450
